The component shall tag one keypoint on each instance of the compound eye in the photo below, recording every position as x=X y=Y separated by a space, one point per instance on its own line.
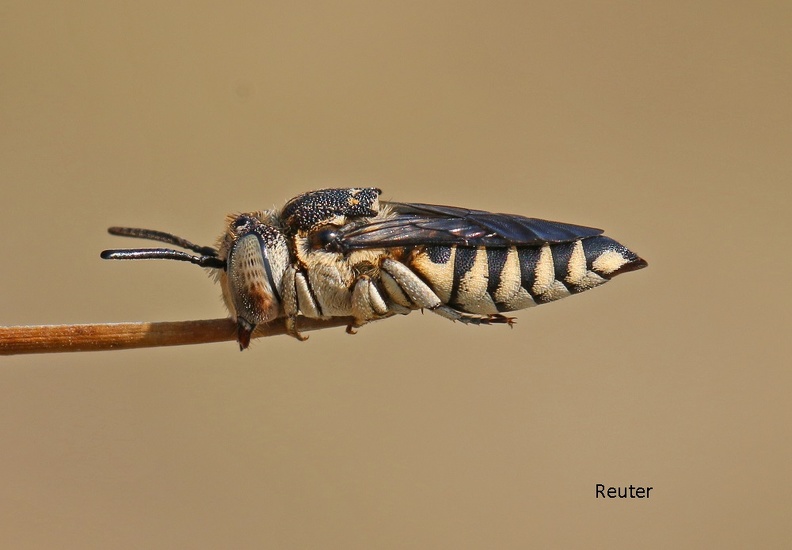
x=323 y=238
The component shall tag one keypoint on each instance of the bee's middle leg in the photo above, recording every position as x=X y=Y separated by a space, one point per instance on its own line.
x=368 y=303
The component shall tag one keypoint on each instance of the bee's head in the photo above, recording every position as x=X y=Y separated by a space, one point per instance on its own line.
x=257 y=256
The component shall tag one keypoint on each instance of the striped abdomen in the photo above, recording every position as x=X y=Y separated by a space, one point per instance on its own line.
x=492 y=280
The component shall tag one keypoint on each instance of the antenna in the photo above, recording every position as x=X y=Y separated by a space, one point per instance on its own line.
x=208 y=255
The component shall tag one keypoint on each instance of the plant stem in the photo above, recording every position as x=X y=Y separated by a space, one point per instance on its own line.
x=117 y=336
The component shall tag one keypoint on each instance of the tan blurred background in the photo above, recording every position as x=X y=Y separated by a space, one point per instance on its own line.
x=668 y=124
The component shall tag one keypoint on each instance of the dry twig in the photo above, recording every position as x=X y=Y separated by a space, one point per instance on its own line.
x=116 y=336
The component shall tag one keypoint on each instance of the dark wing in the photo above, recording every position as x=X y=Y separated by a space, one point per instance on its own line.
x=415 y=224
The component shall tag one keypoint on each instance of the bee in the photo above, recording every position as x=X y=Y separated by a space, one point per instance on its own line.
x=343 y=252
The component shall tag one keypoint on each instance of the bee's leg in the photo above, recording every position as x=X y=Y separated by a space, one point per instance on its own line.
x=411 y=285
x=305 y=299
x=367 y=303
x=473 y=318
x=291 y=304
x=422 y=296
x=400 y=302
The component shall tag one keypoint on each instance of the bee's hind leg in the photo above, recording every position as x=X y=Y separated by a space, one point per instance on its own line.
x=424 y=297
x=471 y=318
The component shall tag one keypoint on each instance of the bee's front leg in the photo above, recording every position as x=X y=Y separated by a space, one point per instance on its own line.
x=291 y=306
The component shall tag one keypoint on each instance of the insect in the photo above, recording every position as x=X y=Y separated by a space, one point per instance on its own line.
x=343 y=252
